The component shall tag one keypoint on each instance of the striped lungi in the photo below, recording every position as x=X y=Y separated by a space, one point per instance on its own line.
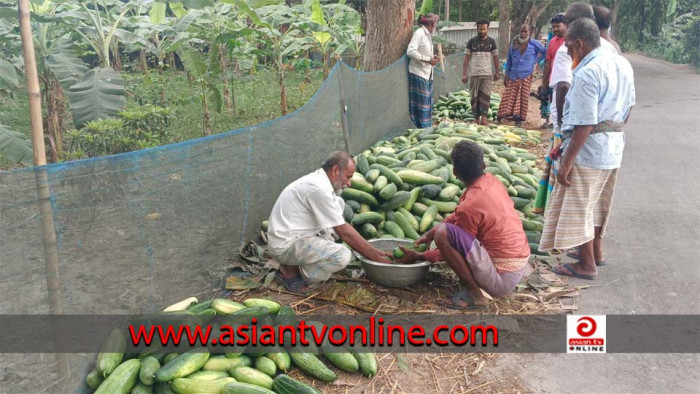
x=480 y=94
x=574 y=211
x=420 y=100
x=515 y=100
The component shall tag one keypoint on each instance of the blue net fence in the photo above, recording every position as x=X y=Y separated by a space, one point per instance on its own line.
x=138 y=231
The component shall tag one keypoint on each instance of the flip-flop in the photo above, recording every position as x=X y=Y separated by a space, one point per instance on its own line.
x=294 y=284
x=574 y=255
x=463 y=295
x=569 y=271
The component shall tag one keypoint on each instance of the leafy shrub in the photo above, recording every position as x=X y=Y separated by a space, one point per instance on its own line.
x=135 y=128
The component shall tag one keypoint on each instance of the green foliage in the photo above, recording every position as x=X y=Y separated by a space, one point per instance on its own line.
x=138 y=127
x=15 y=147
x=99 y=95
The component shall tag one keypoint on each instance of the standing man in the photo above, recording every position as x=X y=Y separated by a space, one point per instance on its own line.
x=420 y=72
x=555 y=82
x=596 y=109
x=523 y=54
x=558 y=23
x=602 y=19
x=482 y=55
x=305 y=221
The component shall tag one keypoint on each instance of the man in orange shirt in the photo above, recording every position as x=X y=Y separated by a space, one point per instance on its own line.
x=483 y=240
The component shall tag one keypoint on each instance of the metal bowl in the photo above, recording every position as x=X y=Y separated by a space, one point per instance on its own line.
x=393 y=275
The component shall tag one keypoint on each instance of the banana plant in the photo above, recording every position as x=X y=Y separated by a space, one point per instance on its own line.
x=205 y=70
x=283 y=30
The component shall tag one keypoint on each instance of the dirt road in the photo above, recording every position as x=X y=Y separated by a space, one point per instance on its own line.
x=651 y=246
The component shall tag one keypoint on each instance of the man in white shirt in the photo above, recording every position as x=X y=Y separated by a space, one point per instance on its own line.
x=420 y=72
x=307 y=216
x=596 y=109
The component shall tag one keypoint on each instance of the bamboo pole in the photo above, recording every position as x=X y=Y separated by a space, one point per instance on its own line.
x=42 y=184
x=441 y=57
x=32 y=84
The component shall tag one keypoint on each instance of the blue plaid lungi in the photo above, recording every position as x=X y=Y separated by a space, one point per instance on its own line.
x=420 y=101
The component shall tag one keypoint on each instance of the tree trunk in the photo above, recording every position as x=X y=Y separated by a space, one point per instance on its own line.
x=171 y=59
x=439 y=8
x=613 y=18
x=503 y=28
x=206 y=121
x=461 y=6
x=389 y=30
x=54 y=114
x=223 y=59
x=143 y=61
x=447 y=10
x=642 y=23
x=325 y=65
x=117 y=58
x=283 y=91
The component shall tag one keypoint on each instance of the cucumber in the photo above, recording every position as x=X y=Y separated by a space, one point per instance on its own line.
x=533 y=237
x=419 y=209
x=441 y=173
x=252 y=311
x=526 y=192
x=534 y=249
x=419 y=178
x=149 y=366
x=196 y=308
x=348 y=213
x=390 y=175
x=225 y=307
x=284 y=384
x=380 y=183
x=528 y=225
x=393 y=229
x=415 y=193
x=343 y=361
x=361 y=163
x=405 y=225
x=244 y=388
x=442 y=206
x=388 y=191
x=360 y=183
x=191 y=386
x=281 y=360
x=183 y=365
x=386 y=160
x=182 y=305
x=399 y=199
x=94 y=379
x=111 y=352
x=367 y=362
x=353 y=204
x=367 y=217
x=272 y=306
x=312 y=366
x=266 y=366
x=223 y=363
x=208 y=375
x=252 y=376
x=169 y=357
x=141 y=388
x=512 y=192
x=359 y=196
x=411 y=219
x=448 y=192
x=372 y=175
x=520 y=202
x=428 y=218
x=425 y=166
x=122 y=379
x=163 y=388
x=368 y=231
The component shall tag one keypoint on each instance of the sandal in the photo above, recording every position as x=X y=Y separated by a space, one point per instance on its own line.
x=574 y=254
x=568 y=270
x=463 y=295
x=294 y=285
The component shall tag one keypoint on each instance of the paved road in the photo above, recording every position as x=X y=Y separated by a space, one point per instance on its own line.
x=652 y=246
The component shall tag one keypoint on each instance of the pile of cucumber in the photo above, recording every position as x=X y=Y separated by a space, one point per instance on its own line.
x=404 y=187
x=457 y=106
x=197 y=371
